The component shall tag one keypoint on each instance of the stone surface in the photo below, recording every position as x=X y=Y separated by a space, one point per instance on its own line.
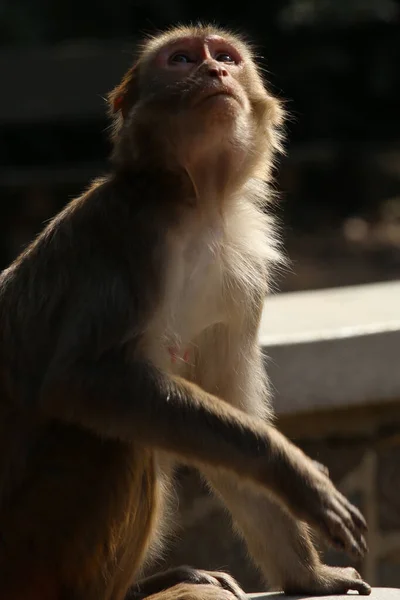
x=377 y=594
x=333 y=348
x=313 y=316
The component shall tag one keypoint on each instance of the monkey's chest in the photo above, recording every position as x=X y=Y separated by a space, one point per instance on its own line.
x=193 y=300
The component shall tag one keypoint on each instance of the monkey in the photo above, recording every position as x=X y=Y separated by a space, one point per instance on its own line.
x=128 y=346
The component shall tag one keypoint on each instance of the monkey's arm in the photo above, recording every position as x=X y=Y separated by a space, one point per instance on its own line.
x=92 y=381
x=280 y=544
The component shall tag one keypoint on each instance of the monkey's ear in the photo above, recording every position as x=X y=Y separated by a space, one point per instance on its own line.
x=124 y=96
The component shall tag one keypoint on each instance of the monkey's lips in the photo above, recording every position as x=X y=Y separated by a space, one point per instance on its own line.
x=216 y=94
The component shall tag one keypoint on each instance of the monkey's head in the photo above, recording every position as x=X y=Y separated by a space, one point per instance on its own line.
x=195 y=92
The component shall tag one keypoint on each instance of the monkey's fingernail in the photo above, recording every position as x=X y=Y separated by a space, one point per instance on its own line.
x=363 y=588
x=361 y=522
x=359 y=519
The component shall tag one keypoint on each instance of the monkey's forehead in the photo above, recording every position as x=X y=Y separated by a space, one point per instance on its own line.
x=154 y=44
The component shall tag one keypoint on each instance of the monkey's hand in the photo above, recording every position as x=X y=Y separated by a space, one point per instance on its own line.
x=313 y=497
x=184 y=574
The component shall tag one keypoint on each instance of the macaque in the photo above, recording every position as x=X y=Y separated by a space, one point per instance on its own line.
x=128 y=345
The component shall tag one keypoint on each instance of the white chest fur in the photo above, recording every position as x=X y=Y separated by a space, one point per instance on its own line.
x=193 y=297
x=210 y=266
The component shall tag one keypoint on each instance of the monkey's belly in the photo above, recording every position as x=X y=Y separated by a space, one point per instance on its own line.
x=82 y=518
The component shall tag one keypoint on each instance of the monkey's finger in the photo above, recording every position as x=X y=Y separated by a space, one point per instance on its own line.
x=356 y=515
x=363 y=544
x=358 y=545
x=207 y=578
x=361 y=587
x=339 y=535
x=354 y=547
x=358 y=584
x=321 y=468
x=355 y=512
x=349 y=548
x=356 y=532
x=228 y=583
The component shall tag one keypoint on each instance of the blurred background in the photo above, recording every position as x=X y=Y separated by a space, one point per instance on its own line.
x=334 y=62
x=336 y=65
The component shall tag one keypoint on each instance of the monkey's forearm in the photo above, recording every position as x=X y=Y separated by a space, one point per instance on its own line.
x=136 y=402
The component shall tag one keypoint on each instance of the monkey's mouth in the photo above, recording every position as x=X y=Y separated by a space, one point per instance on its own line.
x=224 y=93
x=217 y=93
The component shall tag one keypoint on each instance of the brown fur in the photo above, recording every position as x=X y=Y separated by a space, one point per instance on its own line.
x=128 y=341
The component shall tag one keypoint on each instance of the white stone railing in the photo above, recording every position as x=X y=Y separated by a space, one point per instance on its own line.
x=333 y=348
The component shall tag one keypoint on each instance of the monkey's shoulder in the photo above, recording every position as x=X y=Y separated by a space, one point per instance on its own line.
x=106 y=223
x=98 y=245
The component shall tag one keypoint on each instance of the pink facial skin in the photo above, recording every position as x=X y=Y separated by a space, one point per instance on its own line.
x=214 y=56
x=190 y=52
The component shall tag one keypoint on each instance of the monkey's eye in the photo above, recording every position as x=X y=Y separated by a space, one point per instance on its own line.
x=224 y=57
x=180 y=57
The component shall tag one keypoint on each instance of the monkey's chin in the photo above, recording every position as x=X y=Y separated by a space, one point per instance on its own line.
x=220 y=110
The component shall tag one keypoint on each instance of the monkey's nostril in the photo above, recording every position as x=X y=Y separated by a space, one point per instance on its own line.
x=217 y=72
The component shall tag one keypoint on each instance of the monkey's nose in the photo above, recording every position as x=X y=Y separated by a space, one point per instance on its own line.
x=217 y=71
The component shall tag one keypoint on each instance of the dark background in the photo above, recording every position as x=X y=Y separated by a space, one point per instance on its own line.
x=335 y=62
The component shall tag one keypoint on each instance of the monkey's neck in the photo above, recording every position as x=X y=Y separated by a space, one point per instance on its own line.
x=199 y=173
x=216 y=178
x=156 y=184
x=206 y=182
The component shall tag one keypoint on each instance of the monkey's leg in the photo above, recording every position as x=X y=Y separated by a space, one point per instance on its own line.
x=184 y=574
x=281 y=545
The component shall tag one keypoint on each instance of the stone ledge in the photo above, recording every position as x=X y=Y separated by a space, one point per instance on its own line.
x=333 y=348
x=377 y=594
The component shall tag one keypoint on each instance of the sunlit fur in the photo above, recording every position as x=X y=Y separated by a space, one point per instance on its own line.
x=214 y=312
x=231 y=224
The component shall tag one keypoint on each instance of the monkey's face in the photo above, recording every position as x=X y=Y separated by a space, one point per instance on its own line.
x=197 y=88
x=201 y=83
x=197 y=74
